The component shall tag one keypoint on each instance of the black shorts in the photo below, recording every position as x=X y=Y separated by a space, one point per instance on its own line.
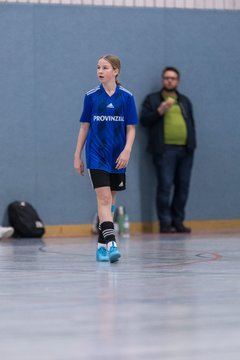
x=101 y=178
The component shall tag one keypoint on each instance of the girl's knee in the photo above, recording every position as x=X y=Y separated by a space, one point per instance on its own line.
x=104 y=199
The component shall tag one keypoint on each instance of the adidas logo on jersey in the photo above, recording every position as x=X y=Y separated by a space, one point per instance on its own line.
x=110 y=106
x=121 y=184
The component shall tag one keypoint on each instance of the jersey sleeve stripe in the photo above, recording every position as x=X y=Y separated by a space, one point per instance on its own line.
x=125 y=90
x=93 y=90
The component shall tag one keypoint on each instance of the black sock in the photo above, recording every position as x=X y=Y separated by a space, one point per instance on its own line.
x=101 y=239
x=107 y=228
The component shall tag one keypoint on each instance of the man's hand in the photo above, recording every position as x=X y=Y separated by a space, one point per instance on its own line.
x=165 y=106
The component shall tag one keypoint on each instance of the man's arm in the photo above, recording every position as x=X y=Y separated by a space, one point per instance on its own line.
x=152 y=111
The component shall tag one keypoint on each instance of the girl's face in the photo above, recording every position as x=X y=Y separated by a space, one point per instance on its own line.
x=105 y=72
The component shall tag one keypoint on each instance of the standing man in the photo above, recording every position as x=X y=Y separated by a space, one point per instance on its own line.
x=169 y=117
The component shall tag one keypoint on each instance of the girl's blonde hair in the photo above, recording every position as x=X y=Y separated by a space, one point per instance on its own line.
x=115 y=62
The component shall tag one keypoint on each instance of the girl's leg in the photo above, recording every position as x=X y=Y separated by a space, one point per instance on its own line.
x=104 y=203
x=113 y=207
x=105 y=199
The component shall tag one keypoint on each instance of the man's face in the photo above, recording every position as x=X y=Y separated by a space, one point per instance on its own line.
x=170 y=80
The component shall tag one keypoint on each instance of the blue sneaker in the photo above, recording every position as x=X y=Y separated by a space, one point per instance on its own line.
x=114 y=254
x=102 y=254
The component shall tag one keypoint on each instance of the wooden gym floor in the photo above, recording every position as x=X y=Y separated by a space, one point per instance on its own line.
x=171 y=297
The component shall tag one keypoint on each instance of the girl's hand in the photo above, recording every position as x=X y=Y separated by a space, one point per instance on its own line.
x=79 y=165
x=123 y=159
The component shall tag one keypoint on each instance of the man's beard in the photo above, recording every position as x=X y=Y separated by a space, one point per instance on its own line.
x=170 y=89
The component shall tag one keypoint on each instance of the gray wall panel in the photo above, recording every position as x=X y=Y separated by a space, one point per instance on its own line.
x=48 y=61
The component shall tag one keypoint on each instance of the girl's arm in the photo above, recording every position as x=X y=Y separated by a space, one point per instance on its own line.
x=82 y=136
x=123 y=159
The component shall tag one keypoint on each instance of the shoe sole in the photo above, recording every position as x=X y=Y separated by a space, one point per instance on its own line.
x=102 y=260
x=114 y=257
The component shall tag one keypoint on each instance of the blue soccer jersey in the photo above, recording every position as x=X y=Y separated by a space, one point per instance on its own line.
x=108 y=117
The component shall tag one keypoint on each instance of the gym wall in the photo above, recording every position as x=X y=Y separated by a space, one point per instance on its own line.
x=48 y=56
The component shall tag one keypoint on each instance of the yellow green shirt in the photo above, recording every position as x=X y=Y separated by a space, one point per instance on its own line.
x=175 y=129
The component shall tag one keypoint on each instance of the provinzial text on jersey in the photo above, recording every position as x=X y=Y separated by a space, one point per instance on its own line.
x=108 y=118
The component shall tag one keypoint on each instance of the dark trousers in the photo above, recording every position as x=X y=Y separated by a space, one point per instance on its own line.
x=173 y=170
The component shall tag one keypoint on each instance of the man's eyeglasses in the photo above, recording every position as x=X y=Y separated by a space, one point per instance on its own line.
x=170 y=78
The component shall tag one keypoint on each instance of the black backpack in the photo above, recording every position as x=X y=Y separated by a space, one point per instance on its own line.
x=25 y=220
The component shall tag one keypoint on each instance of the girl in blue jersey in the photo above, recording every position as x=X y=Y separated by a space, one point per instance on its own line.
x=108 y=128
